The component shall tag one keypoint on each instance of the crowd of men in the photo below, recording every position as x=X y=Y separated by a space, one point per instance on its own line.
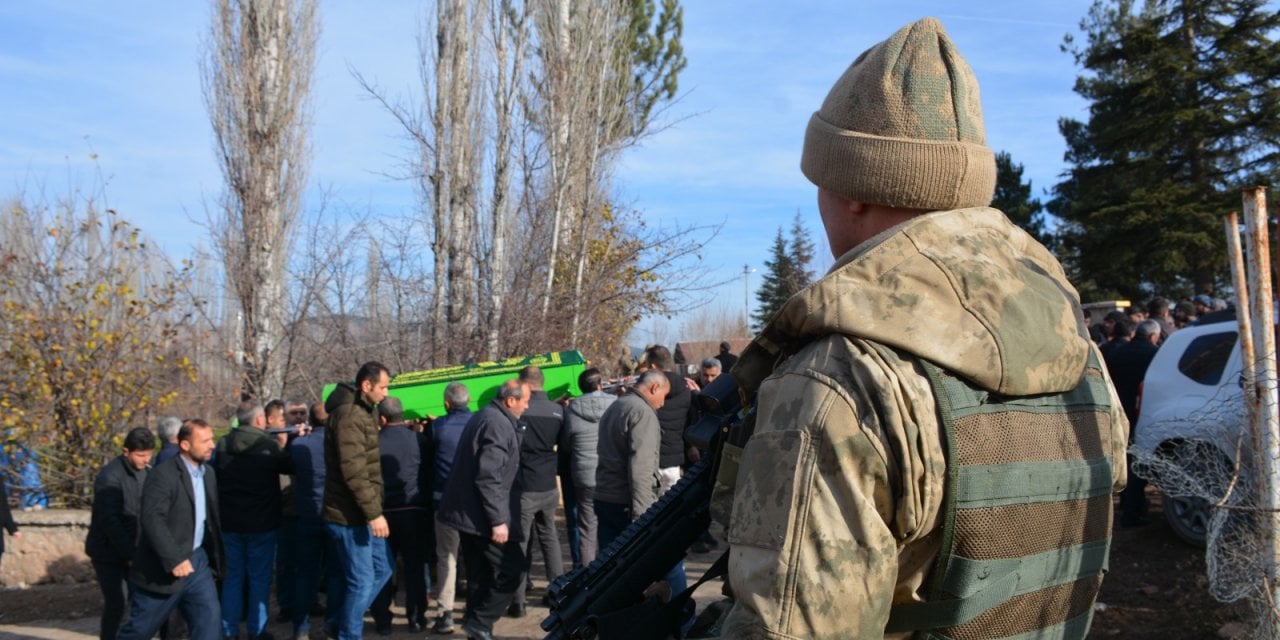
x=331 y=498
x=1128 y=341
x=869 y=501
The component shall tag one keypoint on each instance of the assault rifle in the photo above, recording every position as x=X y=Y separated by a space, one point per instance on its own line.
x=606 y=599
x=620 y=385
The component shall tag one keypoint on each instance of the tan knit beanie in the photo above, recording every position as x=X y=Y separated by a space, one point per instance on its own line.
x=903 y=127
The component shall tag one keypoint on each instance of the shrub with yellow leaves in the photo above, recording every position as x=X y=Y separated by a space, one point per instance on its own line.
x=88 y=320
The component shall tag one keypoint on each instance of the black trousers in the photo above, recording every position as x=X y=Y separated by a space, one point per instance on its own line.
x=408 y=539
x=1133 y=499
x=115 y=595
x=287 y=565
x=494 y=571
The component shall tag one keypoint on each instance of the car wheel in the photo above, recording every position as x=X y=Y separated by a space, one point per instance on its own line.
x=1210 y=471
x=1188 y=517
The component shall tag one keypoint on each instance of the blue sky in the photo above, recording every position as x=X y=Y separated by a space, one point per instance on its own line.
x=119 y=82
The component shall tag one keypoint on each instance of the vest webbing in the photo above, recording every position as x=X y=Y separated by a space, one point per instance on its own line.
x=1027 y=513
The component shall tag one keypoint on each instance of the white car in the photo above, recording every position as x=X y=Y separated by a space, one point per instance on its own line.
x=1191 y=413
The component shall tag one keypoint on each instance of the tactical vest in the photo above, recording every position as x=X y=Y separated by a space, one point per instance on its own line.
x=1027 y=513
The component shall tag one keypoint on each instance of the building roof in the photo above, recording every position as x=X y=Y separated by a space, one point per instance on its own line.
x=695 y=351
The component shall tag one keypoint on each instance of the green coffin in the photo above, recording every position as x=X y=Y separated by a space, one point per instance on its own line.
x=422 y=392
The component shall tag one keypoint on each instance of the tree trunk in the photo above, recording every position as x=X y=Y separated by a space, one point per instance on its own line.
x=257 y=77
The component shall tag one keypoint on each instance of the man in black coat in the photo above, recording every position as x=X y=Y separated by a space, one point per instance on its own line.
x=249 y=462
x=726 y=357
x=318 y=564
x=180 y=552
x=113 y=526
x=1128 y=366
x=674 y=416
x=482 y=501
x=1129 y=363
x=406 y=495
x=539 y=497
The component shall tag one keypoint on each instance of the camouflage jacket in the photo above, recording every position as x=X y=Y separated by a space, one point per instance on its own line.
x=838 y=500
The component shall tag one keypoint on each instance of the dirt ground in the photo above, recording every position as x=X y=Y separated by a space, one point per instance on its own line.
x=1156 y=589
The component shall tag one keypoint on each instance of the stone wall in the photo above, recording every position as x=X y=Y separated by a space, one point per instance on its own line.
x=51 y=549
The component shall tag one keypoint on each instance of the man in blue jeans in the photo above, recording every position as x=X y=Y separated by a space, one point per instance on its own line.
x=249 y=462
x=180 y=549
x=353 y=493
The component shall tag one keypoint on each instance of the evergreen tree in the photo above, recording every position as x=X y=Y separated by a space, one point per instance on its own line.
x=1185 y=111
x=786 y=272
x=1013 y=197
x=776 y=286
x=801 y=254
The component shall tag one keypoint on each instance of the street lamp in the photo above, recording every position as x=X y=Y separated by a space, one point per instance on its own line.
x=746 y=296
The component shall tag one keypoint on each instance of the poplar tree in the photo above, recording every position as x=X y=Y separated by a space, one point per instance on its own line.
x=259 y=60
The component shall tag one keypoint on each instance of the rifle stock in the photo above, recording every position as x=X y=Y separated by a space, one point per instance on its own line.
x=605 y=599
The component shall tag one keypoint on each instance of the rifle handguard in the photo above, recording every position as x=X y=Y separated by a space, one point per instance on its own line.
x=589 y=601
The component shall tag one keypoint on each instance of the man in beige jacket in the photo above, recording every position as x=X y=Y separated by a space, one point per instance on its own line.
x=936 y=443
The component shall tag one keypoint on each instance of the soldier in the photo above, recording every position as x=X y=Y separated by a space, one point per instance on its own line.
x=931 y=412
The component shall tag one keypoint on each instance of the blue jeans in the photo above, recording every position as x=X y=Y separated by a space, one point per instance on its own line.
x=570 y=496
x=316 y=561
x=363 y=562
x=250 y=560
x=197 y=599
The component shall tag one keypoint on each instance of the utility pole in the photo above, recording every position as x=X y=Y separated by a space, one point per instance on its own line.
x=746 y=296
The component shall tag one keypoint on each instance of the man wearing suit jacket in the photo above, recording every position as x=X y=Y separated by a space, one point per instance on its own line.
x=180 y=552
